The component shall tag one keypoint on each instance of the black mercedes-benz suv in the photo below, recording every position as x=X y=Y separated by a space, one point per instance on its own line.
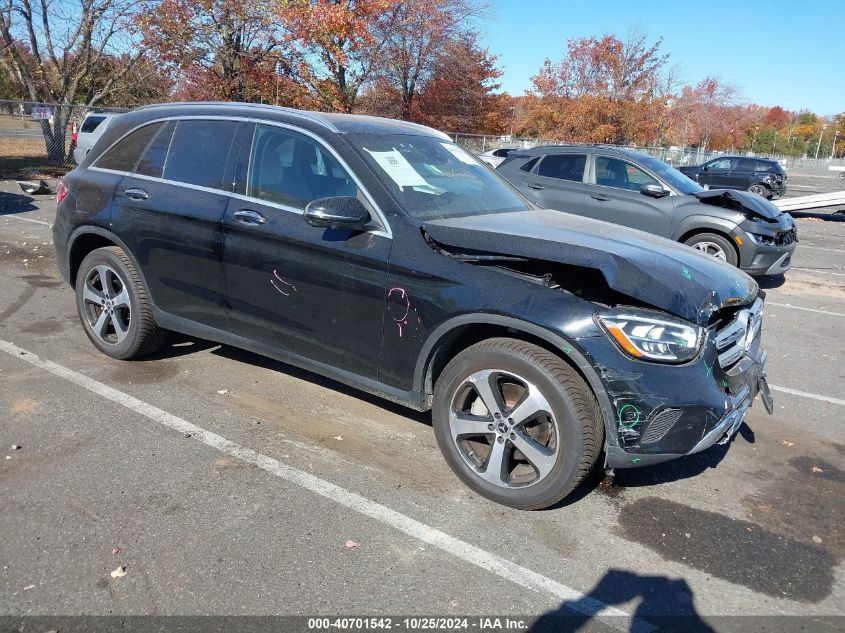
x=384 y=256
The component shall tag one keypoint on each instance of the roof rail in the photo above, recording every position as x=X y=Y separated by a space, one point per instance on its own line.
x=314 y=117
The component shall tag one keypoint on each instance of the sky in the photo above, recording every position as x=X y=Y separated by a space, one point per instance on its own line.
x=787 y=53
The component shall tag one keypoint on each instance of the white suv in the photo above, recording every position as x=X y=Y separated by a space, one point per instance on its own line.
x=93 y=126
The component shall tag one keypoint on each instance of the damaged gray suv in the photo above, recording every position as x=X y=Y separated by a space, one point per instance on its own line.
x=629 y=188
x=382 y=255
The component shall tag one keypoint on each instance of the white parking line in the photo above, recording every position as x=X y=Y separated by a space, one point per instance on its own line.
x=821 y=271
x=820 y=248
x=789 y=305
x=483 y=559
x=805 y=394
x=17 y=217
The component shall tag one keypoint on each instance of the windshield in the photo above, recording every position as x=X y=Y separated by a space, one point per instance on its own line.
x=672 y=176
x=433 y=178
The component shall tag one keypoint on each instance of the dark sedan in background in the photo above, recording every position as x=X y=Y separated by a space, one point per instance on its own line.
x=762 y=176
x=626 y=187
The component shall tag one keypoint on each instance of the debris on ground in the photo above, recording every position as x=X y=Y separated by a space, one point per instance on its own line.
x=40 y=188
x=222 y=392
x=786 y=443
x=338 y=437
x=115 y=551
x=817 y=470
x=28 y=587
x=16 y=447
x=120 y=572
x=817 y=539
x=351 y=544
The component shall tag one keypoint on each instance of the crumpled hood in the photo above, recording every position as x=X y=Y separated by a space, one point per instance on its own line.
x=742 y=201
x=651 y=269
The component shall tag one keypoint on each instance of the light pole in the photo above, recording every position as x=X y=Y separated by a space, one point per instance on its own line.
x=513 y=116
x=754 y=138
x=833 y=150
x=774 y=141
x=278 y=75
x=819 y=145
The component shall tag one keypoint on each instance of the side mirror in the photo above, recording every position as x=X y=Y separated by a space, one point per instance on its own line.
x=341 y=212
x=653 y=190
x=706 y=168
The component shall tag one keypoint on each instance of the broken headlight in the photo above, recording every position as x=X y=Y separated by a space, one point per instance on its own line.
x=646 y=336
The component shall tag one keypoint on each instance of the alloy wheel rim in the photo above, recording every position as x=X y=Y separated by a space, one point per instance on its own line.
x=106 y=306
x=756 y=189
x=504 y=429
x=712 y=249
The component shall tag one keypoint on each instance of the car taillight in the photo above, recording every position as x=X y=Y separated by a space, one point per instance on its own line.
x=61 y=191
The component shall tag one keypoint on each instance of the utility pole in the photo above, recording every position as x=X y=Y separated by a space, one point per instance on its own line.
x=754 y=138
x=774 y=142
x=819 y=145
x=833 y=150
x=513 y=116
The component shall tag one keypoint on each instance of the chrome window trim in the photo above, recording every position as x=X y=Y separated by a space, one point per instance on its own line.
x=385 y=230
x=302 y=114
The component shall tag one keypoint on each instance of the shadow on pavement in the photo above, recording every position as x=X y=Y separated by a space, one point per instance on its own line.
x=830 y=216
x=767 y=282
x=11 y=203
x=665 y=604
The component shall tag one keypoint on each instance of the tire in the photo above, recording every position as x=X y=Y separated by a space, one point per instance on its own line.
x=842 y=175
x=563 y=437
x=761 y=190
x=114 y=306
x=715 y=245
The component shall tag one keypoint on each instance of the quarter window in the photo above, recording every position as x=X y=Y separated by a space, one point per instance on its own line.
x=563 y=166
x=612 y=172
x=199 y=151
x=292 y=170
x=124 y=155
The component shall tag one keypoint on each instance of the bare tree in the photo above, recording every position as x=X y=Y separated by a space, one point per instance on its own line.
x=58 y=52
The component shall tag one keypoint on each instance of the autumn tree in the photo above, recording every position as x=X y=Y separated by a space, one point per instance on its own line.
x=337 y=45
x=601 y=90
x=417 y=34
x=68 y=52
x=461 y=94
x=216 y=49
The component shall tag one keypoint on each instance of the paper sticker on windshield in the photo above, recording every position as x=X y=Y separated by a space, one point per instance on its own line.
x=398 y=168
x=459 y=153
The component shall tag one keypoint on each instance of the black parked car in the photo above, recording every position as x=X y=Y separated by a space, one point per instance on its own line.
x=382 y=255
x=758 y=175
x=630 y=188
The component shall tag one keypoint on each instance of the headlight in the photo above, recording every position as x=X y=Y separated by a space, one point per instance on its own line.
x=642 y=335
x=765 y=240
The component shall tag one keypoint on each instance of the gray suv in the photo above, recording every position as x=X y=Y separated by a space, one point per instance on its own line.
x=626 y=187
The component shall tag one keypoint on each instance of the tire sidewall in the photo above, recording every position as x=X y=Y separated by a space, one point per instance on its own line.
x=129 y=345
x=569 y=428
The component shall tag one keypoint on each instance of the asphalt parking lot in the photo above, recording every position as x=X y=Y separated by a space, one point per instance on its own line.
x=226 y=483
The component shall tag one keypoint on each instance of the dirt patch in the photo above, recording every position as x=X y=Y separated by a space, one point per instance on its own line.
x=25 y=405
x=143 y=372
x=50 y=326
x=737 y=551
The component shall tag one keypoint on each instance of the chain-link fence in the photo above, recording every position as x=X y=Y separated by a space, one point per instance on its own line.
x=38 y=139
x=674 y=155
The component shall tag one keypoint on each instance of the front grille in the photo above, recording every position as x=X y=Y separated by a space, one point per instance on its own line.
x=733 y=340
x=660 y=425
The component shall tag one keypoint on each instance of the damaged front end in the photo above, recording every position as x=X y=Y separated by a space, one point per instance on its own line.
x=673 y=338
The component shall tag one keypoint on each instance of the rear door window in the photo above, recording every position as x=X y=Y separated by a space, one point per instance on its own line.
x=292 y=170
x=152 y=162
x=747 y=164
x=124 y=155
x=530 y=164
x=199 y=152
x=563 y=166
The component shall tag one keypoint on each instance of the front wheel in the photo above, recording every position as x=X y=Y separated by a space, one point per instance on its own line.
x=516 y=423
x=715 y=246
x=114 y=305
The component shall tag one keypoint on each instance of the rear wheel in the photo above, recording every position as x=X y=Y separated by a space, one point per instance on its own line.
x=114 y=306
x=516 y=423
x=715 y=246
x=760 y=189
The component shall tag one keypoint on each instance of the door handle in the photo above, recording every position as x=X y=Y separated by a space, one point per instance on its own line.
x=536 y=186
x=247 y=216
x=600 y=197
x=136 y=194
